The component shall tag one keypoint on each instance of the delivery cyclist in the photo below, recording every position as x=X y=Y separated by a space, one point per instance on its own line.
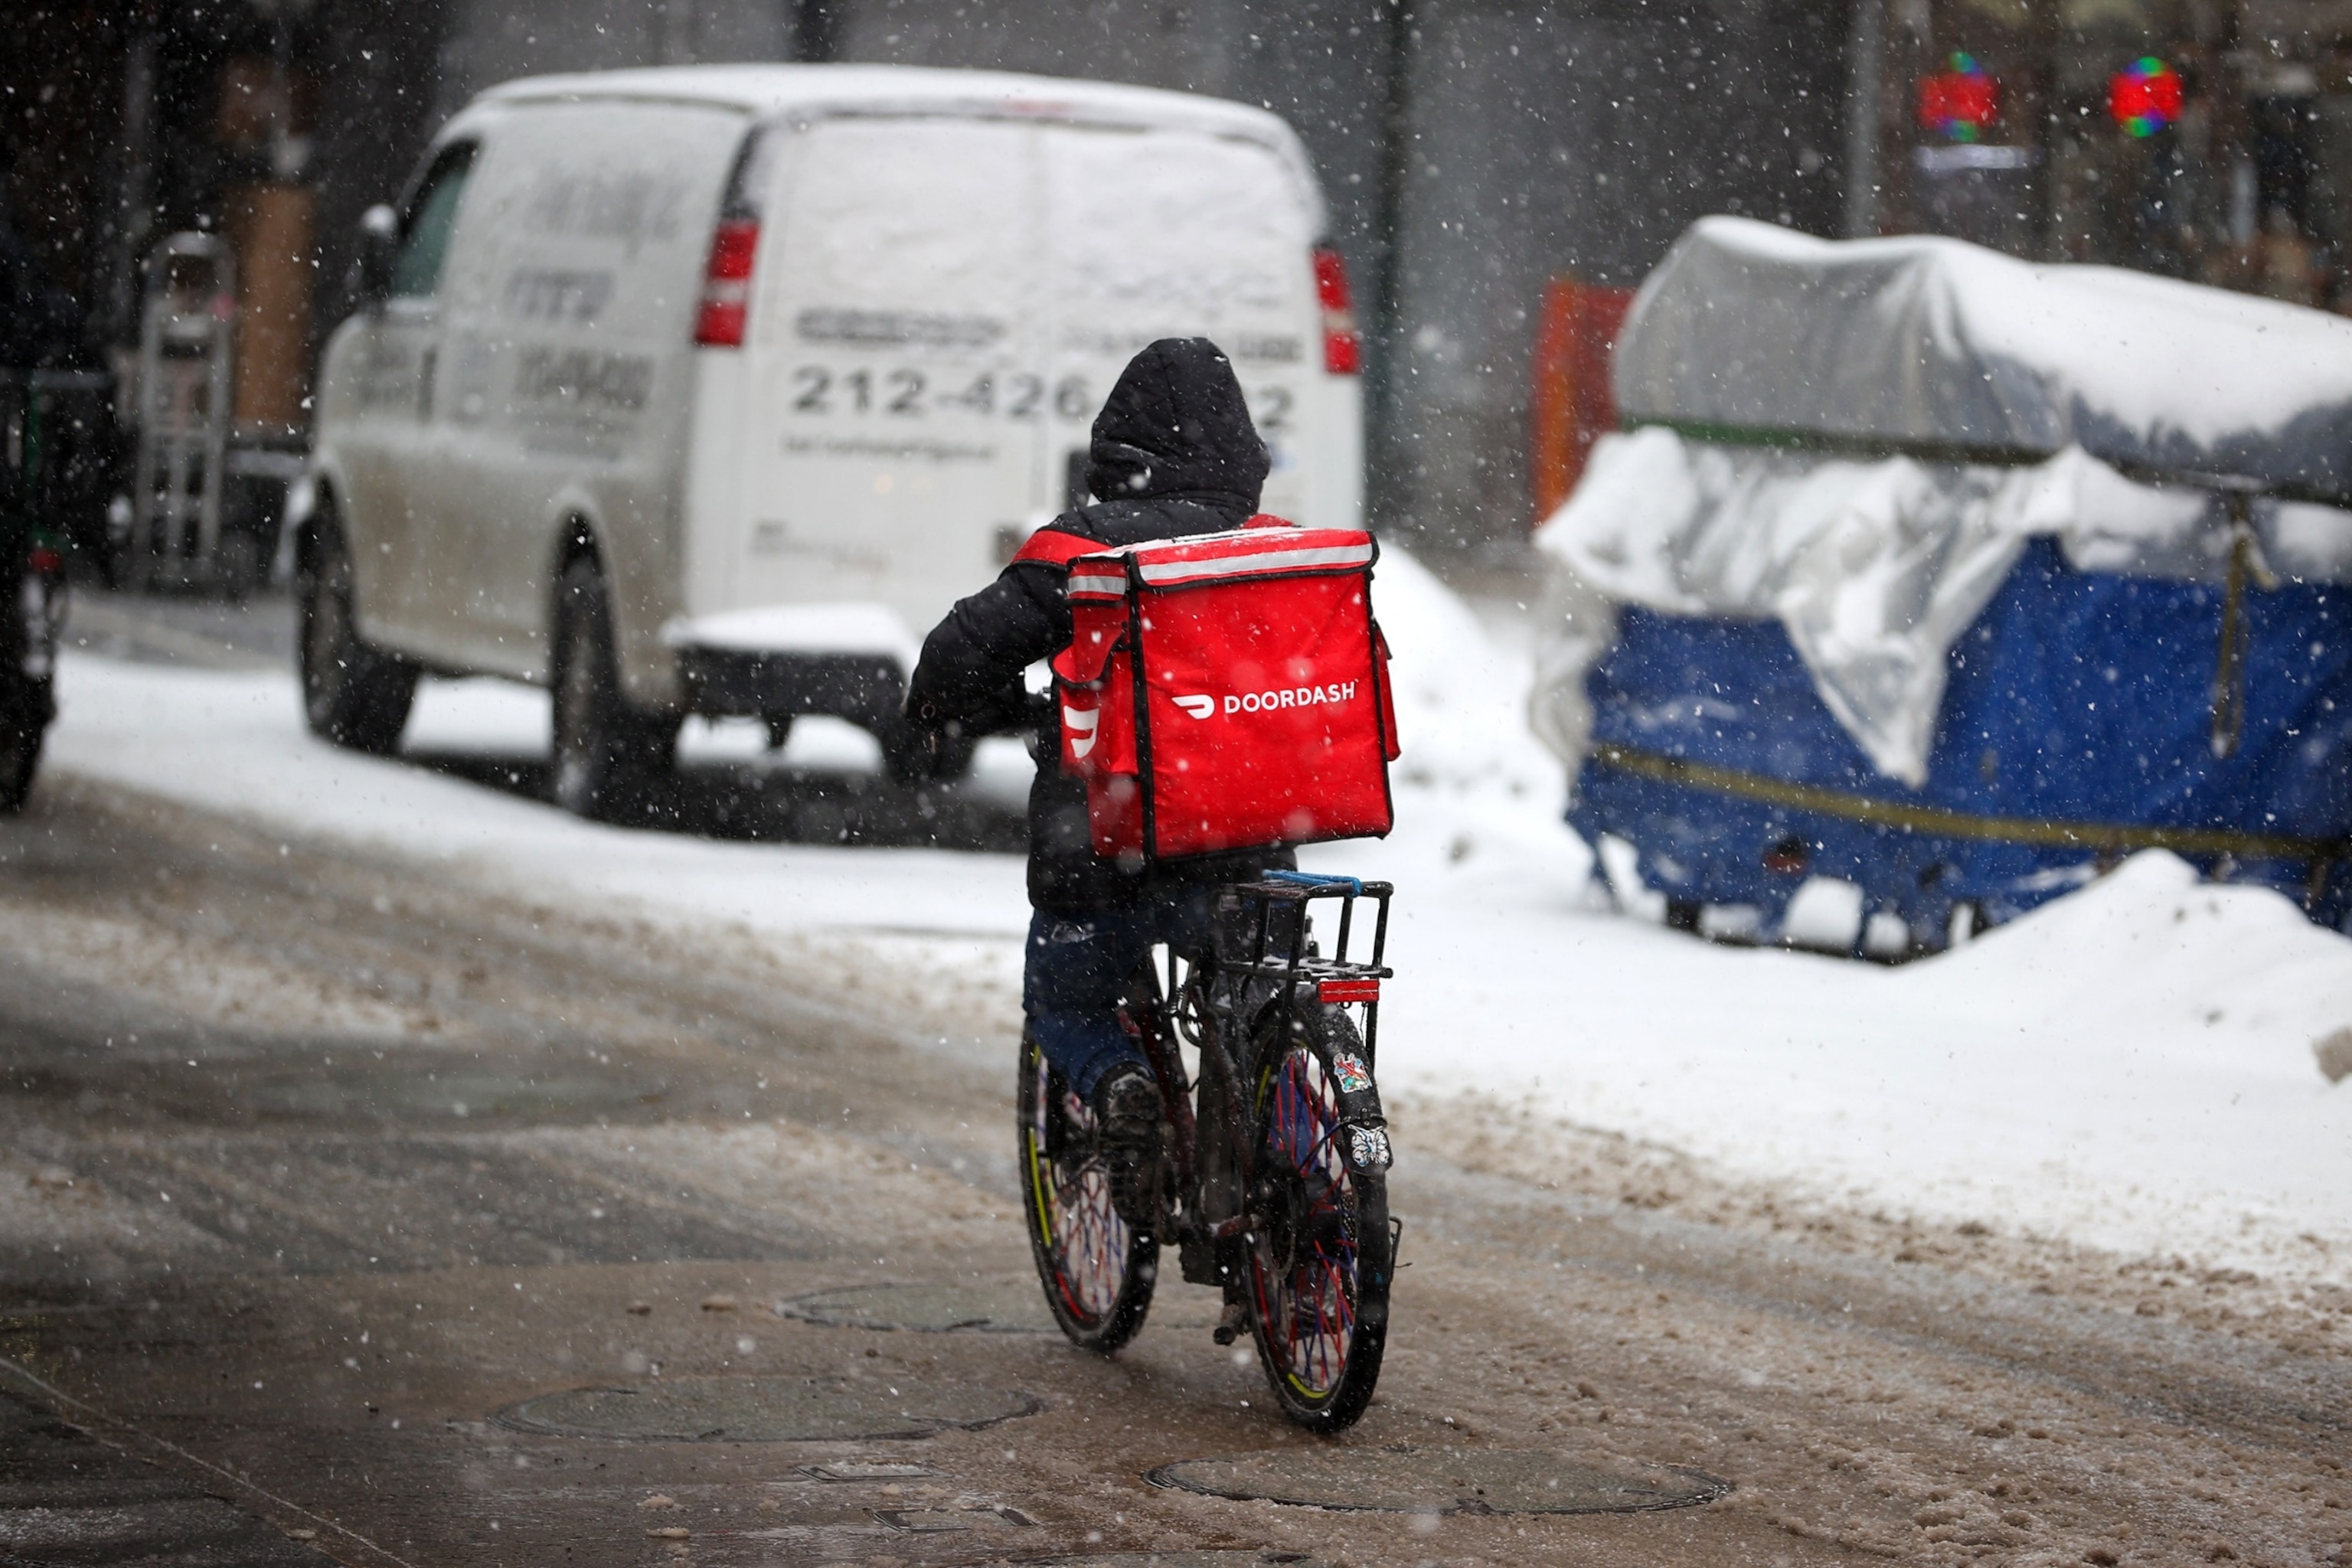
x=1173 y=453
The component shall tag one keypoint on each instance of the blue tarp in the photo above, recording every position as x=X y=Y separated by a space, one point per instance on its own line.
x=2074 y=698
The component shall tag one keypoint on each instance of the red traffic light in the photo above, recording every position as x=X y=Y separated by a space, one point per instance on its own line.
x=1960 y=103
x=2145 y=95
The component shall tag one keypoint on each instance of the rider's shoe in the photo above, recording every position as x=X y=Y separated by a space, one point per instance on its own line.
x=1127 y=1118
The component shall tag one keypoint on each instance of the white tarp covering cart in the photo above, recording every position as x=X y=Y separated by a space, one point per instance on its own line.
x=1952 y=576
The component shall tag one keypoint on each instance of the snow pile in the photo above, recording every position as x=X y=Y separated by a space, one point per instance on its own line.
x=234 y=744
x=1468 y=761
x=2130 y=1067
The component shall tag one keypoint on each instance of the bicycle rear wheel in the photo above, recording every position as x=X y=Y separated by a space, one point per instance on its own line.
x=1097 y=1269
x=1319 y=1264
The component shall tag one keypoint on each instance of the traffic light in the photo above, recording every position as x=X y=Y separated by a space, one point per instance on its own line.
x=1960 y=102
x=2145 y=95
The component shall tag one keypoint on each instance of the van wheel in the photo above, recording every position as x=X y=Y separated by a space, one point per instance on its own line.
x=351 y=694
x=606 y=752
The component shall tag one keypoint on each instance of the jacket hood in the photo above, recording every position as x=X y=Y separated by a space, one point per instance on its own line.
x=1176 y=426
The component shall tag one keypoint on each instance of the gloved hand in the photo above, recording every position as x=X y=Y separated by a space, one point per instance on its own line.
x=930 y=745
x=937 y=751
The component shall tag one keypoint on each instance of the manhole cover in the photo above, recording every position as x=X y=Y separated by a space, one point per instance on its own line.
x=983 y=1305
x=762 y=1410
x=1426 y=1480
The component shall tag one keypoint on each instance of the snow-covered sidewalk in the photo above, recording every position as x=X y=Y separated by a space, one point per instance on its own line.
x=2130 y=1067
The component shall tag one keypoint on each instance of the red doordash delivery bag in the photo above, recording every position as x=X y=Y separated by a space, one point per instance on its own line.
x=1227 y=691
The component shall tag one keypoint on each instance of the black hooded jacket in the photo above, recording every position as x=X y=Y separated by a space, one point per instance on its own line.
x=1173 y=453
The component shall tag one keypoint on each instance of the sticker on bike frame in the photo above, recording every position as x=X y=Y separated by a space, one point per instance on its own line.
x=1353 y=1075
x=1368 y=1148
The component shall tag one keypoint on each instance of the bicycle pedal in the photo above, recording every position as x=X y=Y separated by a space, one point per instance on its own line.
x=1235 y=1319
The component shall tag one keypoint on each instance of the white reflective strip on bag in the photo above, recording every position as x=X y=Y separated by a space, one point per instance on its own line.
x=1111 y=585
x=1161 y=572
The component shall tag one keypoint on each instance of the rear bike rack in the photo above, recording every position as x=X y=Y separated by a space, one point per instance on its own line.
x=1272 y=921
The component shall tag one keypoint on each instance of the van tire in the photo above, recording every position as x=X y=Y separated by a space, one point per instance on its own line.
x=352 y=695
x=606 y=752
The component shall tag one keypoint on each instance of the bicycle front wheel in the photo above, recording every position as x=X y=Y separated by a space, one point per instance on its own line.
x=1319 y=1253
x=1097 y=1271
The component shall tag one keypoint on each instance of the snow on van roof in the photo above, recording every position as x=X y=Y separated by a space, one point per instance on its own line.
x=771 y=89
x=1926 y=343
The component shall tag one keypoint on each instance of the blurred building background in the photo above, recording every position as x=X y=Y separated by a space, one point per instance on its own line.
x=1497 y=168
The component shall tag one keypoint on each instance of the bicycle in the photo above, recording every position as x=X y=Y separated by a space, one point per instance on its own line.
x=1274 y=1185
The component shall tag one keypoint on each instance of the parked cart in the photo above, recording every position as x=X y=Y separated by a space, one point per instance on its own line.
x=207 y=489
x=1955 y=579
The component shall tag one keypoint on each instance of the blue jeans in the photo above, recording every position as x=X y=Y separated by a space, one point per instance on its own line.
x=1076 y=973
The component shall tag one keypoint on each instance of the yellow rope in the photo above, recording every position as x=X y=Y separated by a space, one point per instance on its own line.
x=1937 y=820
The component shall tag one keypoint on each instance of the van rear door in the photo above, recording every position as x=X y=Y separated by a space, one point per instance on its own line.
x=1174 y=232
x=896 y=396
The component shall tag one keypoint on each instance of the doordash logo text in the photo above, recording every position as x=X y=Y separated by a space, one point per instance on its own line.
x=1202 y=706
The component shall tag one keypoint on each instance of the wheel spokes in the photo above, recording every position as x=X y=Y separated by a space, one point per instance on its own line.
x=1306 y=1275
x=1085 y=1240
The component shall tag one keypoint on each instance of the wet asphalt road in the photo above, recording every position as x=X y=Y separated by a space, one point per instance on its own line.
x=347 y=1209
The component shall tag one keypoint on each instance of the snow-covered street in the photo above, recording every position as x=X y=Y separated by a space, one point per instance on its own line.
x=2131 y=1069
x=372 y=1116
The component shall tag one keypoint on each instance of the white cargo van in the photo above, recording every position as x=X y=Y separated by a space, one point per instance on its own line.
x=708 y=390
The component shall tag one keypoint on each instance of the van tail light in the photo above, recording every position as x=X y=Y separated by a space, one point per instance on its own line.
x=1343 y=346
x=727 y=285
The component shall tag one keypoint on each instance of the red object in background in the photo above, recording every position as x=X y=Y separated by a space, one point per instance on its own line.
x=2145 y=95
x=1574 y=402
x=1960 y=103
x=1343 y=345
